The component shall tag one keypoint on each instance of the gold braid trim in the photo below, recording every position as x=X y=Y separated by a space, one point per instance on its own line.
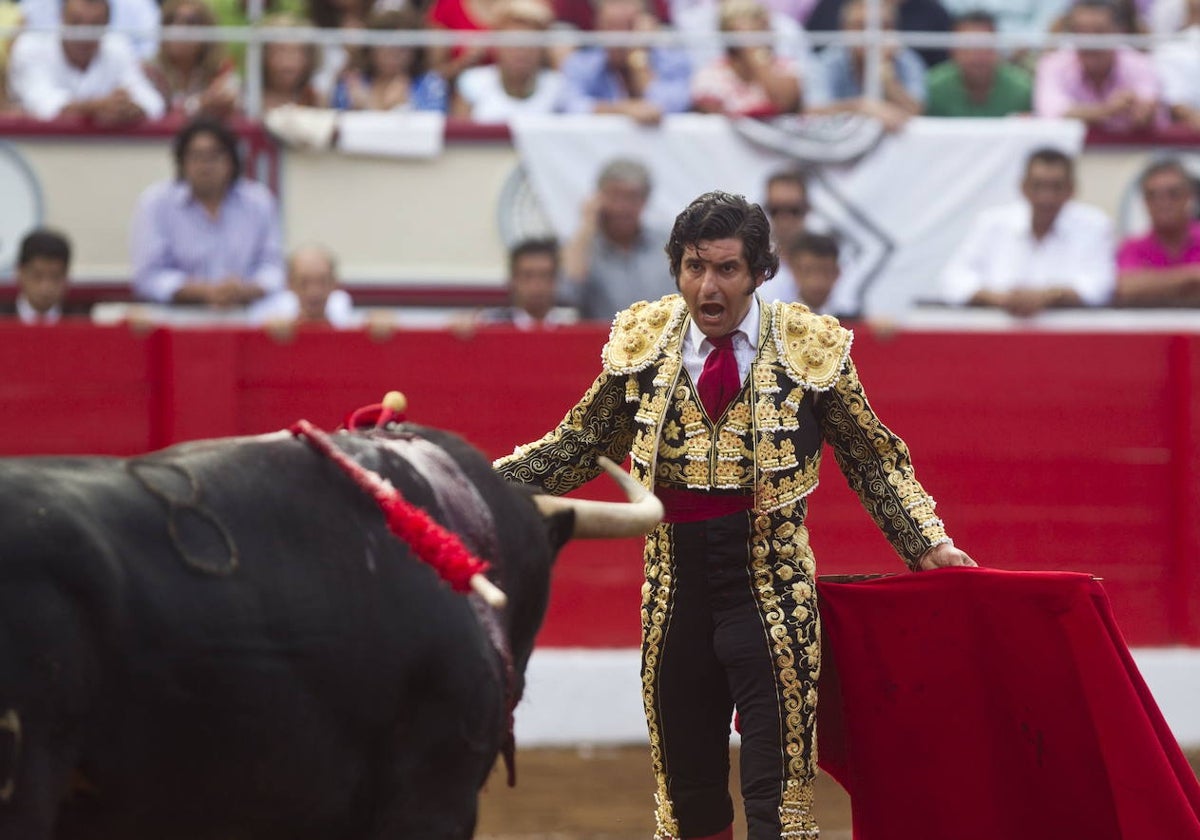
x=783 y=573
x=878 y=468
x=657 y=597
x=813 y=348
x=601 y=423
x=641 y=333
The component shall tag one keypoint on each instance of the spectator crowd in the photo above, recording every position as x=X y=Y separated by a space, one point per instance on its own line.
x=133 y=73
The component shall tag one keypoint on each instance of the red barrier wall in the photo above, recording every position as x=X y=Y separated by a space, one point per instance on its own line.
x=1047 y=451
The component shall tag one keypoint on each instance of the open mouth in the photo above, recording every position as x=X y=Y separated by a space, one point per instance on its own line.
x=712 y=311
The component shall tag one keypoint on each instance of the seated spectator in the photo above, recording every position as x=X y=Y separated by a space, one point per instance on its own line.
x=747 y=81
x=1114 y=89
x=210 y=236
x=640 y=83
x=843 y=69
x=976 y=82
x=288 y=68
x=53 y=76
x=137 y=21
x=909 y=16
x=312 y=296
x=1178 y=66
x=1046 y=251
x=614 y=259
x=43 y=265
x=194 y=77
x=1162 y=268
x=812 y=259
x=519 y=82
x=532 y=281
x=786 y=205
x=391 y=78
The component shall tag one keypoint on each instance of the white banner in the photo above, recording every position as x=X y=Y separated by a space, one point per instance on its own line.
x=899 y=203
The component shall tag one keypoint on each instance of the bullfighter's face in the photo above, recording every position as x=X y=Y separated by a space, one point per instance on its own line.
x=715 y=281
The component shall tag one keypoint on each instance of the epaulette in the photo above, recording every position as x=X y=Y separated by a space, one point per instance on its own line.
x=641 y=333
x=812 y=348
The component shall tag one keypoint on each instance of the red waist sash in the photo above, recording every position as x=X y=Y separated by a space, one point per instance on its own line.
x=694 y=505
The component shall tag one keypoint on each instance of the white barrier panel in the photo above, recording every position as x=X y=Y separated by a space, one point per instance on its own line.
x=576 y=696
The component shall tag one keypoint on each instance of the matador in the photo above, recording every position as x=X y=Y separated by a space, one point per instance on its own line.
x=723 y=404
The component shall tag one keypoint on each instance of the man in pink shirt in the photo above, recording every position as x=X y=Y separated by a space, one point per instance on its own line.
x=1114 y=89
x=1162 y=268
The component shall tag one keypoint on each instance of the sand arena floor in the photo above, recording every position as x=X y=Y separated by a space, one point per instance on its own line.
x=606 y=793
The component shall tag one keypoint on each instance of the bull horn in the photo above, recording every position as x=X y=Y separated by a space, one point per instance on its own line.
x=609 y=520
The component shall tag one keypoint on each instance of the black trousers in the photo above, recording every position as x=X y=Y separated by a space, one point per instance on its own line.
x=719 y=650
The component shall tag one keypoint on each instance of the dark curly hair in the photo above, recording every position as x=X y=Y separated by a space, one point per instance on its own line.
x=722 y=215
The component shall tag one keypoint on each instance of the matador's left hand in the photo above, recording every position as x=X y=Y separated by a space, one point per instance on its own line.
x=944 y=555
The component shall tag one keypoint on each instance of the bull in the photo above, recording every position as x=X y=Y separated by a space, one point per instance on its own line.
x=224 y=640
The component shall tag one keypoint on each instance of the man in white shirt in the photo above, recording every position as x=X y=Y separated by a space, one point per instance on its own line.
x=1046 y=251
x=52 y=76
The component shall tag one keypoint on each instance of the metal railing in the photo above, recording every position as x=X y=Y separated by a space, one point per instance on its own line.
x=875 y=39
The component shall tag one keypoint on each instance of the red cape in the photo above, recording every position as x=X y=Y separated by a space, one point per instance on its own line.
x=973 y=704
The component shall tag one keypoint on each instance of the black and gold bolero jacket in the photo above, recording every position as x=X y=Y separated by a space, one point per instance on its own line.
x=802 y=391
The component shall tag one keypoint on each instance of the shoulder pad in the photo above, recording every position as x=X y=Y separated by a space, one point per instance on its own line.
x=813 y=348
x=641 y=333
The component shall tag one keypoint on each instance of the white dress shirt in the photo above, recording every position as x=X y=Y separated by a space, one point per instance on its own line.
x=29 y=315
x=696 y=345
x=1000 y=254
x=43 y=82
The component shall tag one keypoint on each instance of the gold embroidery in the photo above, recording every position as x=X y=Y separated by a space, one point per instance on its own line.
x=813 y=348
x=657 y=597
x=641 y=333
x=601 y=423
x=780 y=553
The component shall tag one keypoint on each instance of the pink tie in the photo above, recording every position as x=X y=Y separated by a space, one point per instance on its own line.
x=719 y=381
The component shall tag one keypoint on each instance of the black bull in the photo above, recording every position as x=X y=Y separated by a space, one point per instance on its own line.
x=223 y=640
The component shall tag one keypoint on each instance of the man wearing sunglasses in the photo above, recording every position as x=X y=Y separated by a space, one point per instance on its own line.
x=786 y=203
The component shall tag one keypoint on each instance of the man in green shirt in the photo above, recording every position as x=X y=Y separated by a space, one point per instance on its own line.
x=976 y=82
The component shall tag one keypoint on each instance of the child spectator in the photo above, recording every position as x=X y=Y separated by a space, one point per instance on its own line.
x=43 y=265
x=812 y=259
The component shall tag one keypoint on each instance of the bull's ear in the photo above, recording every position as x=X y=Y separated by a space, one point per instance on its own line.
x=560 y=526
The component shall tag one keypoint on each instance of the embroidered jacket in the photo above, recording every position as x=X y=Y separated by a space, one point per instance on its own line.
x=802 y=389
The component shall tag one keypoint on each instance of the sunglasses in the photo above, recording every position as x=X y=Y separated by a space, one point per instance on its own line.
x=786 y=209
